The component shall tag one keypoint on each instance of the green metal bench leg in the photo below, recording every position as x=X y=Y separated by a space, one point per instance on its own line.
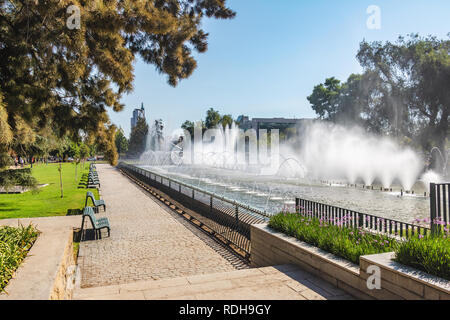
x=82 y=229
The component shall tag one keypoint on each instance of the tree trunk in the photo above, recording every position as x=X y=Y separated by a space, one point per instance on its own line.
x=60 y=180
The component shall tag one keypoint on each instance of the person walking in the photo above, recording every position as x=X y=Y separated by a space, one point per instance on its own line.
x=21 y=162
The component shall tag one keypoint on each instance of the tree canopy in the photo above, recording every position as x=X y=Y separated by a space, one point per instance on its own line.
x=69 y=77
x=404 y=91
x=138 y=138
x=212 y=120
x=121 y=142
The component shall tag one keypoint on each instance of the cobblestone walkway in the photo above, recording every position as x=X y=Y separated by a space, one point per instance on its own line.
x=147 y=242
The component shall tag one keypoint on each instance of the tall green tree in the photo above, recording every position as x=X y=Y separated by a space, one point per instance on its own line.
x=325 y=98
x=138 y=138
x=84 y=152
x=212 y=119
x=6 y=136
x=403 y=92
x=121 y=142
x=11 y=178
x=189 y=126
x=226 y=120
x=62 y=147
x=414 y=73
x=74 y=152
x=69 y=74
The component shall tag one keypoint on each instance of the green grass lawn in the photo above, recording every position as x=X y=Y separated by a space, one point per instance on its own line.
x=48 y=202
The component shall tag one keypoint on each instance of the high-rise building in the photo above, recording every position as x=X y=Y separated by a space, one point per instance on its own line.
x=137 y=113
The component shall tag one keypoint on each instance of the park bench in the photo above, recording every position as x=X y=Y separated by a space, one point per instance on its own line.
x=93 y=175
x=96 y=203
x=97 y=224
x=93 y=179
x=93 y=182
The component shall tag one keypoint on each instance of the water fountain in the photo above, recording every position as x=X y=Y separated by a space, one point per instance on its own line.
x=161 y=151
x=344 y=159
x=444 y=157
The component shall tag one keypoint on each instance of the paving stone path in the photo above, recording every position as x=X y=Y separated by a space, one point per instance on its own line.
x=147 y=241
x=153 y=253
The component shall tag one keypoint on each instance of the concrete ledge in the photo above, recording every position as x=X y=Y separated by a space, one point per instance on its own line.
x=43 y=273
x=269 y=247
x=405 y=280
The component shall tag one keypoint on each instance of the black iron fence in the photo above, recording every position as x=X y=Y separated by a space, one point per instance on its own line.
x=349 y=218
x=439 y=204
x=229 y=219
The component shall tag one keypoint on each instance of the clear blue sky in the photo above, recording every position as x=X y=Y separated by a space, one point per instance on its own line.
x=266 y=61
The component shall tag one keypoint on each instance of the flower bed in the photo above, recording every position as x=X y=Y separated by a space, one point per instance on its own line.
x=430 y=254
x=14 y=246
x=342 y=241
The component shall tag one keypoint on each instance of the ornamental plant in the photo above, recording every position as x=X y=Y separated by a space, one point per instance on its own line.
x=333 y=236
x=429 y=253
x=14 y=246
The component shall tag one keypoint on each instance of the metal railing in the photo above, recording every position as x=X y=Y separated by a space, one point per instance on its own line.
x=229 y=219
x=353 y=219
x=439 y=204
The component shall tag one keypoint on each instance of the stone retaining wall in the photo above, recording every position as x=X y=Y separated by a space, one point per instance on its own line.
x=65 y=273
x=269 y=247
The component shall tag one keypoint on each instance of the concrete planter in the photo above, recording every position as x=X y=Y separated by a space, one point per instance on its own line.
x=44 y=274
x=269 y=247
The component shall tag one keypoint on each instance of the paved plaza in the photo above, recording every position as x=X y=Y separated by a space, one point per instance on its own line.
x=286 y=282
x=147 y=241
x=154 y=253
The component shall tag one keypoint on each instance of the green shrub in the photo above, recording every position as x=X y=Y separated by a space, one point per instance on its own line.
x=19 y=177
x=342 y=241
x=14 y=246
x=430 y=254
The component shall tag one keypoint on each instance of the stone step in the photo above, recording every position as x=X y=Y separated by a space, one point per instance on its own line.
x=270 y=283
x=164 y=283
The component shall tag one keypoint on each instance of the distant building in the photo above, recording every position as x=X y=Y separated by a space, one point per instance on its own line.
x=137 y=113
x=269 y=123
